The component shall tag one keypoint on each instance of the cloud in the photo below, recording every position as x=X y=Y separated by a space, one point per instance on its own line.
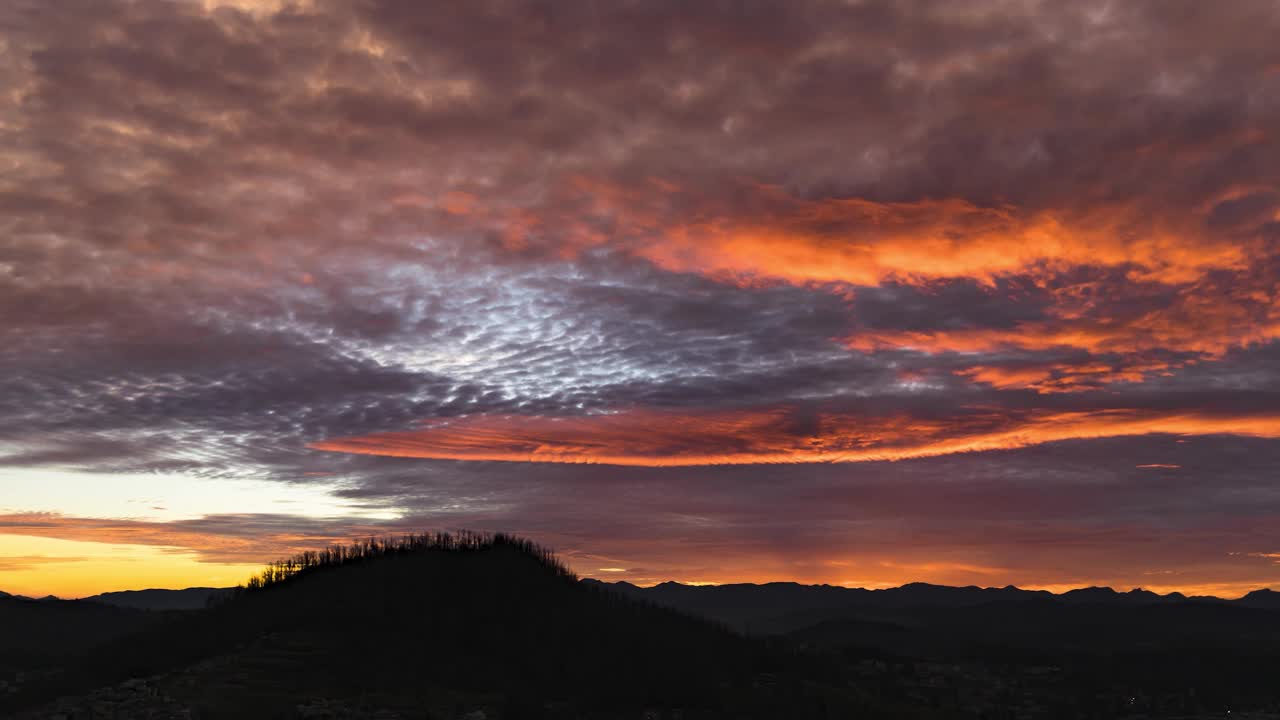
x=776 y=435
x=15 y=563
x=647 y=234
x=230 y=539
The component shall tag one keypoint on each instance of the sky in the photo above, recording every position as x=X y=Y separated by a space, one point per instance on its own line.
x=858 y=293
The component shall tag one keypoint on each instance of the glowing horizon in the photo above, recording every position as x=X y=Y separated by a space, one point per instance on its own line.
x=73 y=569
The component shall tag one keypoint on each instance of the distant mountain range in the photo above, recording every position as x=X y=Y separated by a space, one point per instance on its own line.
x=781 y=607
x=24 y=597
x=754 y=599
x=196 y=598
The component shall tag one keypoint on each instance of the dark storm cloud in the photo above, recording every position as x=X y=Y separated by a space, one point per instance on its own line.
x=232 y=230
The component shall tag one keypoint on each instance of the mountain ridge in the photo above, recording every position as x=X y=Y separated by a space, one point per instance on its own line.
x=1095 y=593
x=784 y=608
x=194 y=598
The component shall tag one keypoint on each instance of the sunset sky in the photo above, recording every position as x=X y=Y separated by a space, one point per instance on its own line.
x=860 y=293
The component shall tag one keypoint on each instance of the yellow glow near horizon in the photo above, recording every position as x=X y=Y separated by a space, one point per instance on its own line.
x=44 y=565
x=165 y=497
x=39 y=566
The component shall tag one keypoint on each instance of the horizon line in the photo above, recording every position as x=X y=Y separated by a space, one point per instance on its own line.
x=695 y=584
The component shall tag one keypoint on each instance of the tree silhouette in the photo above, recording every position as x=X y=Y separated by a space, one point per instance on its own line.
x=361 y=551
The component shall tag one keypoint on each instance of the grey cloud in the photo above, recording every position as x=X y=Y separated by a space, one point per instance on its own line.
x=226 y=234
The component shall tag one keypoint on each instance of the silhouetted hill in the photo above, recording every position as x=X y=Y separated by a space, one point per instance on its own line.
x=446 y=628
x=1137 y=596
x=56 y=628
x=41 y=636
x=196 y=598
x=1267 y=599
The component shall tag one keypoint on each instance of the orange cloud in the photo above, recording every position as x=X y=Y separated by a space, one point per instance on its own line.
x=1208 y=324
x=1061 y=377
x=773 y=234
x=1200 y=289
x=665 y=439
x=14 y=563
x=1136 y=326
x=763 y=231
x=219 y=545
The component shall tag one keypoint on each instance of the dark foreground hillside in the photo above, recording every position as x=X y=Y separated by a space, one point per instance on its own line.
x=486 y=627
x=1005 y=652
x=39 y=636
